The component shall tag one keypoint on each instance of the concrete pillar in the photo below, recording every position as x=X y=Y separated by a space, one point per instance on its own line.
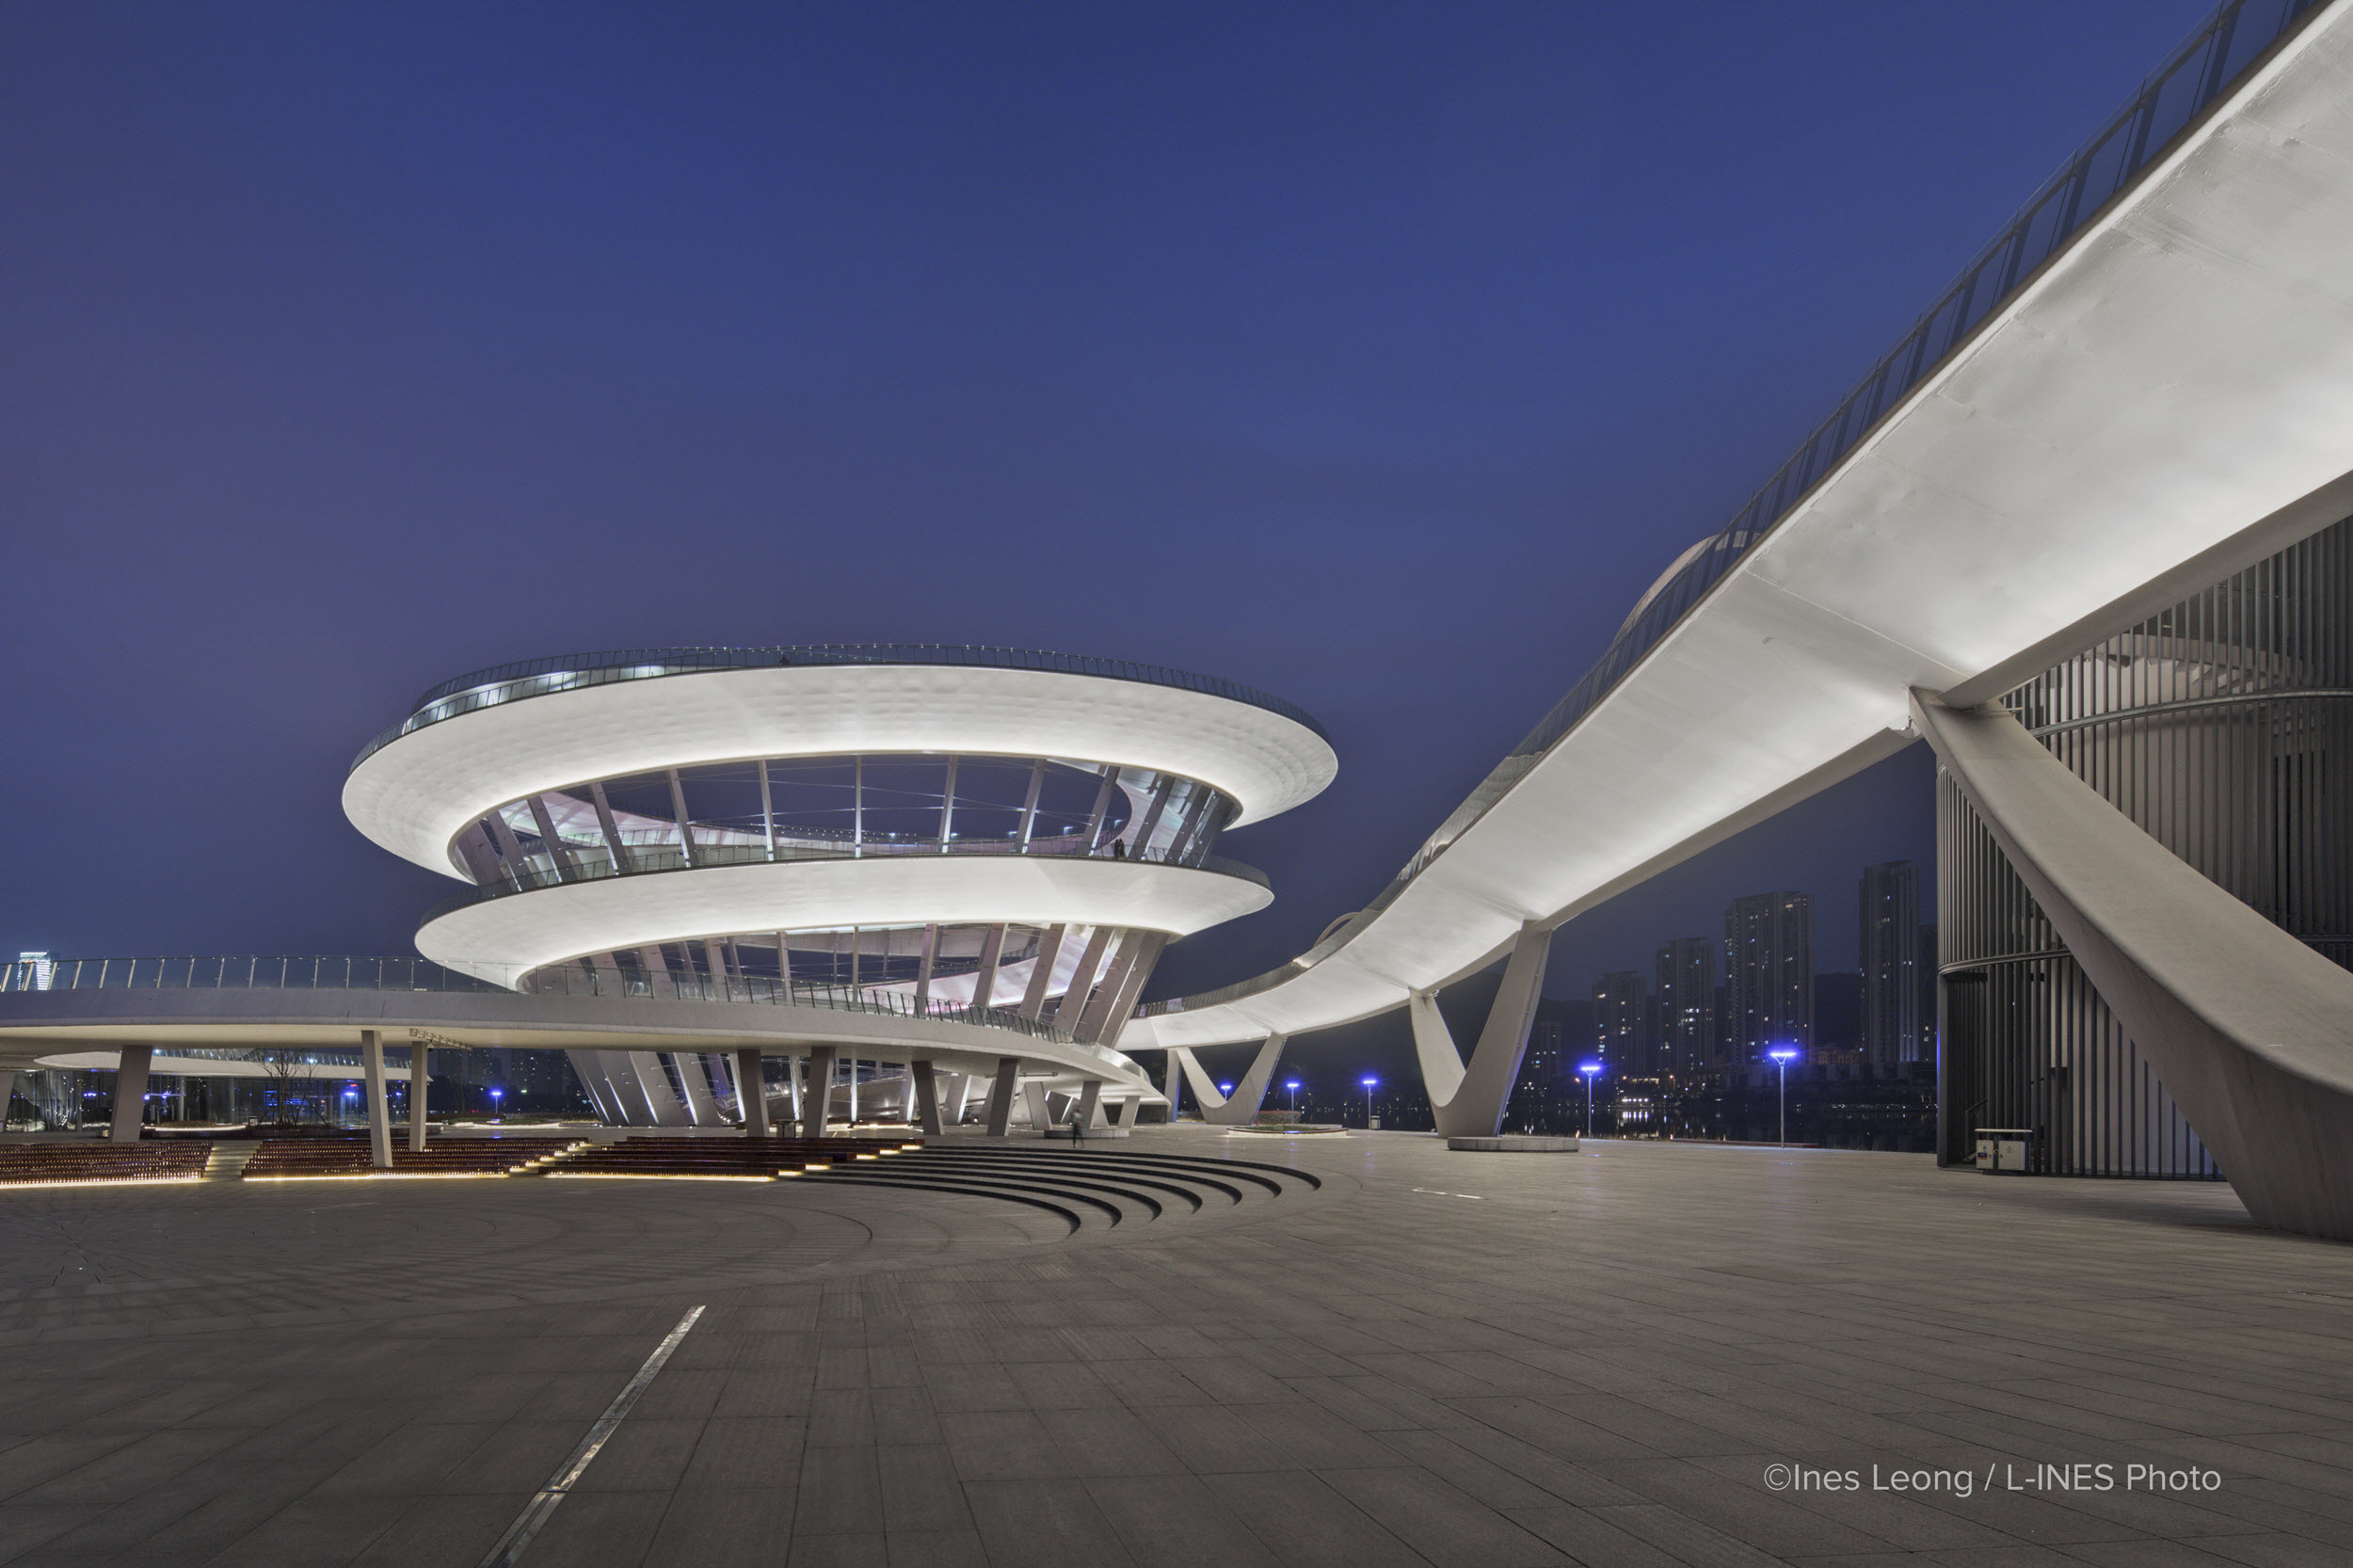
x=1074 y=999
x=751 y=1092
x=1090 y=1103
x=853 y=1091
x=420 y=1083
x=131 y=1092
x=793 y=1076
x=926 y=1097
x=694 y=1077
x=1001 y=1095
x=1240 y=1108
x=653 y=1086
x=820 y=1093
x=1041 y=1103
x=1473 y=1106
x=379 y=1104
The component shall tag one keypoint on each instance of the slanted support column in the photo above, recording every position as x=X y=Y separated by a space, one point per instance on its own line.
x=2244 y=1024
x=1175 y=1087
x=751 y=1092
x=131 y=1092
x=654 y=1084
x=1090 y=1102
x=1074 y=1000
x=926 y=1097
x=985 y=978
x=695 y=1075
x=421 y=1081
x=380 y=1108
x=1001 y=1095
x=819 y=1095
x=923 y=968
x=1042 y=973
x=1473 y=1105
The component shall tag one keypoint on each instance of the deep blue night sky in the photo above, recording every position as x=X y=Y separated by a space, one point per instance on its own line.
x=1379 y=355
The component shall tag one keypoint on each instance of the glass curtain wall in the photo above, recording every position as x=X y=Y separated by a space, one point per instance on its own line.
x=824 y=807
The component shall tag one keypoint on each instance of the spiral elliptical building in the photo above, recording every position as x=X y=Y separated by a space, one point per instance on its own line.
x=902 y=837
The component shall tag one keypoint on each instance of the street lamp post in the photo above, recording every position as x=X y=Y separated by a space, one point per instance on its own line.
x=1589 y=1070
x=1293 y=1087
x=1369 y=1080
x=1781 y=1056
x=496 y=1096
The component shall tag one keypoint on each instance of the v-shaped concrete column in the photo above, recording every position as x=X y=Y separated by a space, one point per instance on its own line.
x=2251 y=1031
x=1470 y=1099
x=1250 y=1093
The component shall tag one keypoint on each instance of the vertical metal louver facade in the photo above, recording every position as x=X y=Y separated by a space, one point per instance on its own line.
x=2222 y=727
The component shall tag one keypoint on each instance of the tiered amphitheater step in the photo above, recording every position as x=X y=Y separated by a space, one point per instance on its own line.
x=724 y=1158
x=45 y=1165
x=1085 y=1186
x=291 y=1159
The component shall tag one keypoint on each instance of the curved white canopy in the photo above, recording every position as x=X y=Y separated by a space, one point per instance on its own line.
x=417 y=793
x=499 y=938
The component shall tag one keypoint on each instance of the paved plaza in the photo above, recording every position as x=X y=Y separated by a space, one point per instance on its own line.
x=1482 y=1360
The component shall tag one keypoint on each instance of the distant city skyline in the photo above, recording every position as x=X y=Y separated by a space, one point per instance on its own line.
x=1722 y=1002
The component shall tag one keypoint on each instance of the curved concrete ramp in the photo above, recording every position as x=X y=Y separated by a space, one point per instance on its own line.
x=2251 y=1031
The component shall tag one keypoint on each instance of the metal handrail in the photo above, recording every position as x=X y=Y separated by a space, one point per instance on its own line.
x=2198 y=73
x=563 y=672
x=242 y=972
x=596 y=865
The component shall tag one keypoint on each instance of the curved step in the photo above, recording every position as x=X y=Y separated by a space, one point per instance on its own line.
x=1073 y=1192
x=1154 y=1186
x=1256 y=1172
x=1131 y=1188
x=1058 y=1203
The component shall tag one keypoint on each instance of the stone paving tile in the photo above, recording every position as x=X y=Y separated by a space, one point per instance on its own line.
x=1178 y=1522
x=1093 y=1443
x=309 y=1531
x=1595 y=1364
x=840 y=1492
x=1447 y=1526
x=26 y=1527
x=439 y=1531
